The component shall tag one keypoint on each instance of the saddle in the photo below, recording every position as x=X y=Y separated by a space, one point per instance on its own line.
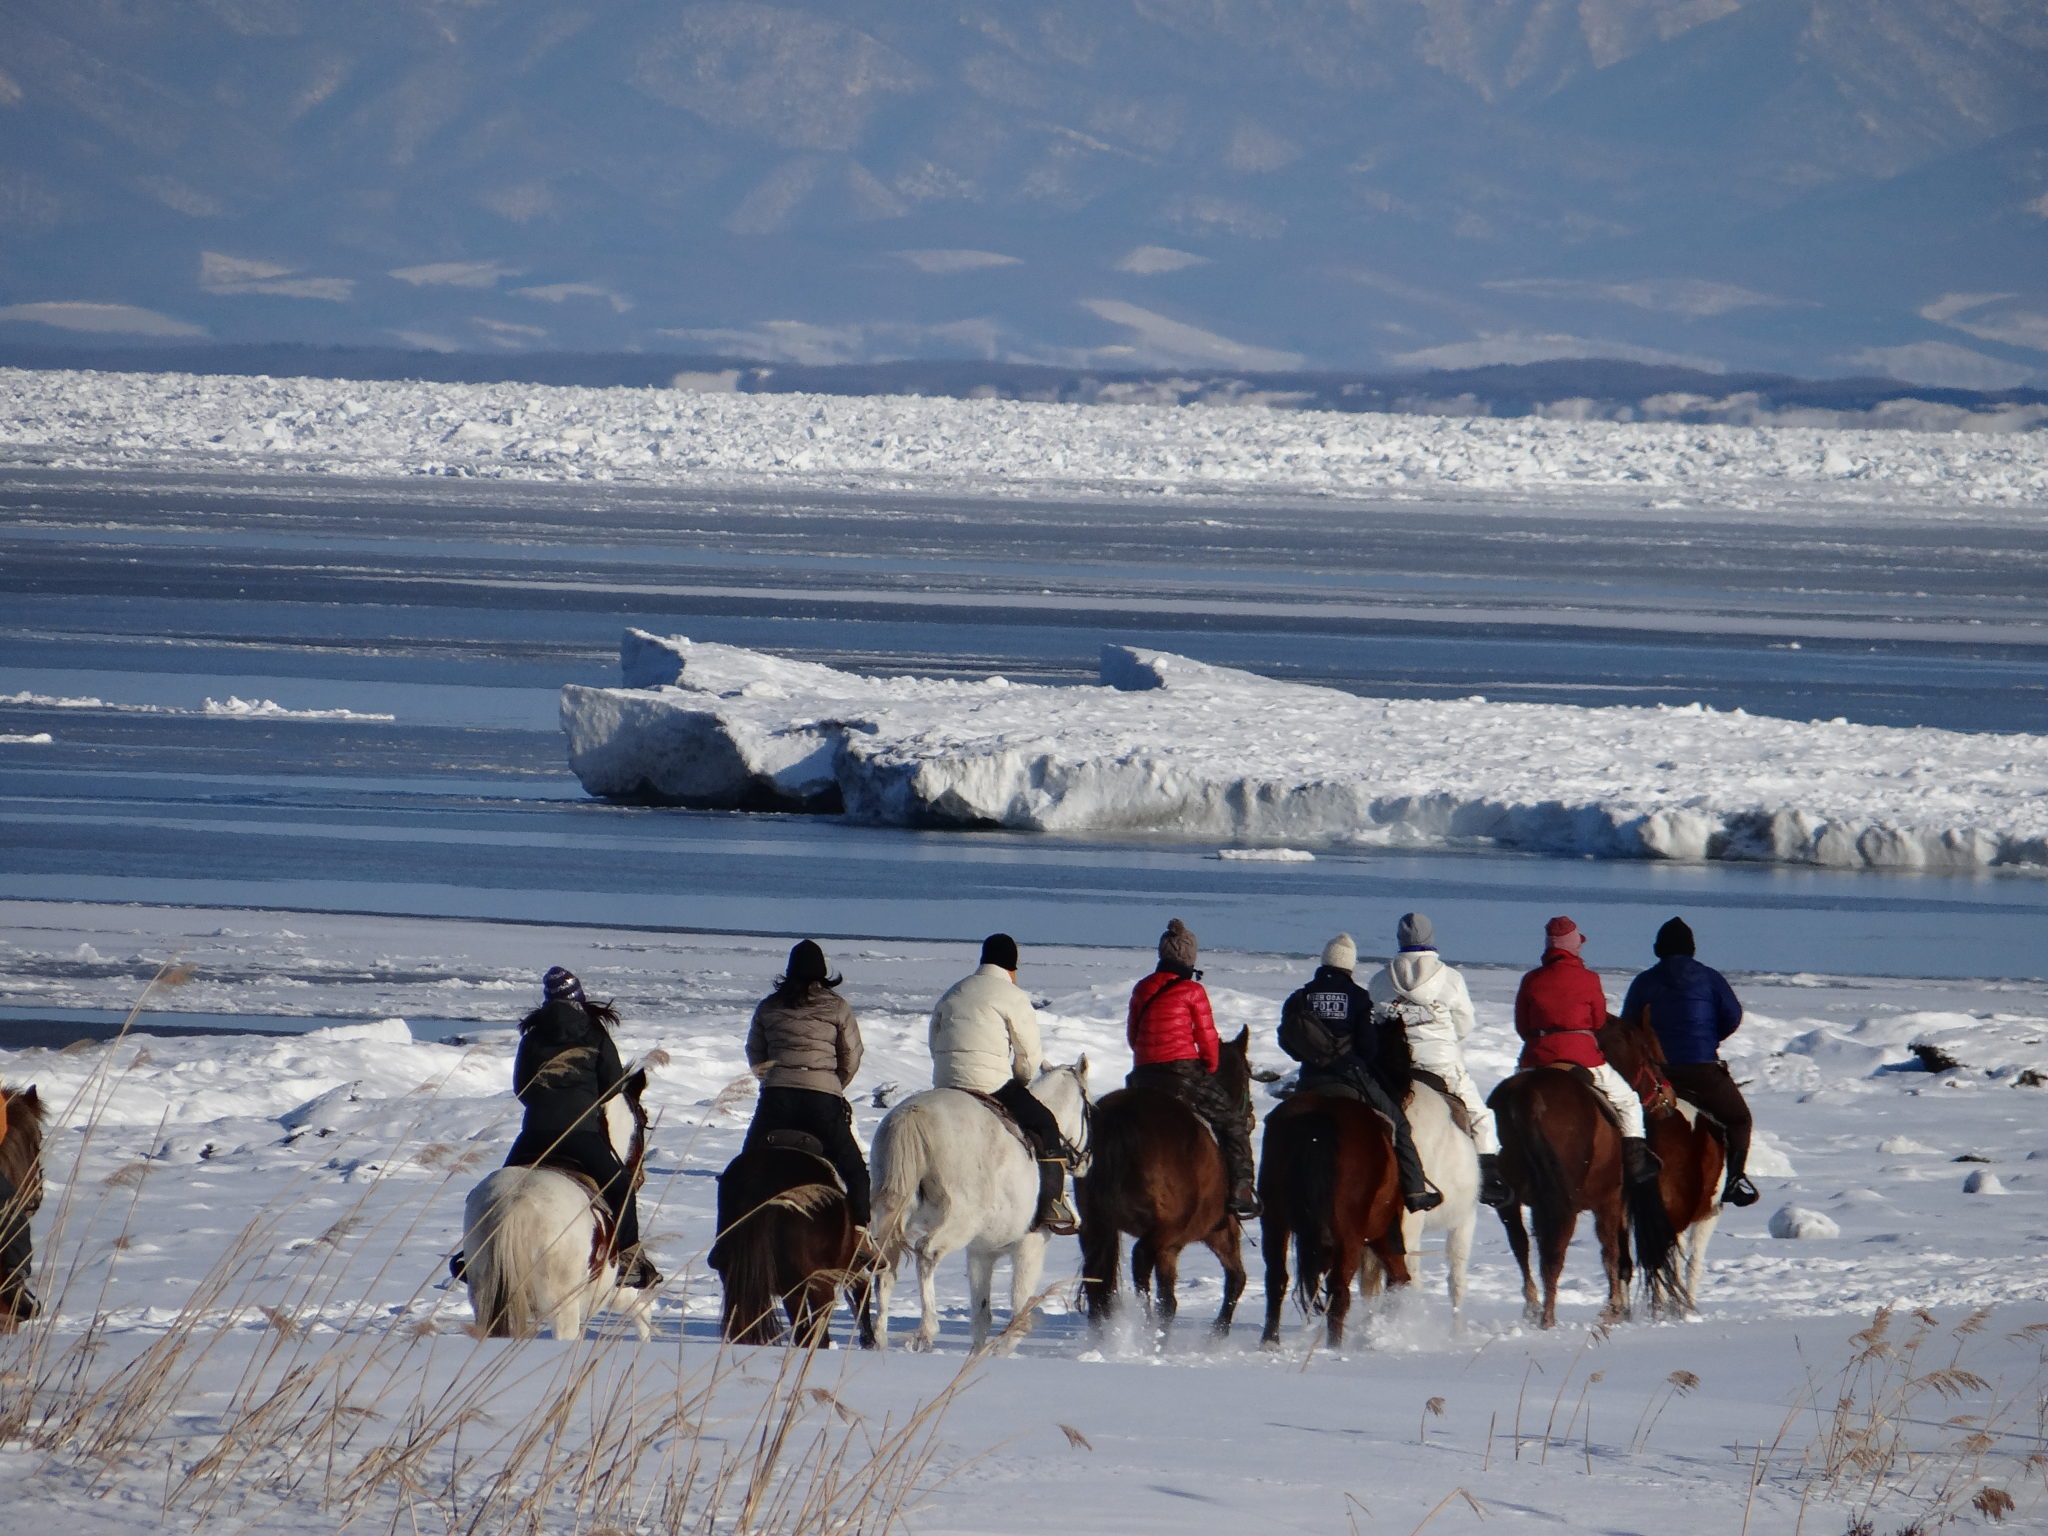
x=1584 y=1075
x=1009 y=1121
x=801 y=1142
x=1461 y=1117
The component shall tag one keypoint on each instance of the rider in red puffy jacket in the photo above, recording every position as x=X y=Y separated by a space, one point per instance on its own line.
x=1173 y=1038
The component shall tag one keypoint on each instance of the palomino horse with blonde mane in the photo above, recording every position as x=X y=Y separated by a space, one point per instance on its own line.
x=21 y=1196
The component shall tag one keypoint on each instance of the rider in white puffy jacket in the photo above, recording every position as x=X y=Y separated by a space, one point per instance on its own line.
x=1436 y=1031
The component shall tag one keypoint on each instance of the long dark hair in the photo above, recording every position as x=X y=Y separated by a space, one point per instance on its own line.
x=603 y=1014
x=807 y=969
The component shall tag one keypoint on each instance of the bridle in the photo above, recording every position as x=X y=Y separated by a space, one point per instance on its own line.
x=1084 y=1148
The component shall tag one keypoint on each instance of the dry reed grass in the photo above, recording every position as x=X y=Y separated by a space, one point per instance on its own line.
x=324 y=1408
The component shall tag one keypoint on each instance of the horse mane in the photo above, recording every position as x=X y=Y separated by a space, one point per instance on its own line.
x=24 y=1141
x=1234 y=1068
x=1393 y=1060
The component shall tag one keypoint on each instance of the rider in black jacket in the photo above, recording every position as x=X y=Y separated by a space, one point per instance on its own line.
x=567 y=1066
x=1343 y=1009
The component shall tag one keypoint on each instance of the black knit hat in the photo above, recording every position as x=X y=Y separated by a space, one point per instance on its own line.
x=999 y=949
x=1674 y=938
x=560 y=985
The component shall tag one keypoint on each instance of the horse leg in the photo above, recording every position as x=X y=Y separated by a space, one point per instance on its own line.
x=1144 y=1264
x=1273 y=1239
x=1102 y=1256
x=1226 y=1244
x=1343 y=1273
x=1696 y=1238
x=1167 y=1280
x=1553 y=1237
x=1457 y=1259
x=1611 y=1226
x=1518 y=1244
x=1027 y=1264
x=928 y=1297
x=981 y=1279
x=809 y=1305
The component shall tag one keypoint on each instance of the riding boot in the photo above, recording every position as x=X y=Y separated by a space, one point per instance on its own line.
x=1244 y=1201
x=1639 y=1165
x=637 y=1271
x=1054 y=1215
x=1493 y=1188
x=1416 y=1193
x=455 y=1268
x=1739 y=1191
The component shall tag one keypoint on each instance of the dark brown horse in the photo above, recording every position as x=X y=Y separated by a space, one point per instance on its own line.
x=785 y=1235
x=1692 y=1150
x=1561 y=1153
x=1159 y=1175
x=21 y=1196
x=1327 y=1182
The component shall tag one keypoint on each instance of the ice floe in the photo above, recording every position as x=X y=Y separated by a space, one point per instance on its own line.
x=669 y=436
x=1165 y=744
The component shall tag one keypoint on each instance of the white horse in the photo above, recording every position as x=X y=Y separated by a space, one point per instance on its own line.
x=950 y=1175
x=531 y=1255
x=1451 y=1163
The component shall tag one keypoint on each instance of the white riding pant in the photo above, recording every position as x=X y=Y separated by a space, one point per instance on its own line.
x=1450 y=1066
x=1615 y=1089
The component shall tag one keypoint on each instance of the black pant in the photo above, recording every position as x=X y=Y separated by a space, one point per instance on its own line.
x=1196 y=1086
x=828 y=1117
x=1708 y=1087
x=588 y=1151
x=16 y=1252
x=1032 y=1117
x=1349 y=1075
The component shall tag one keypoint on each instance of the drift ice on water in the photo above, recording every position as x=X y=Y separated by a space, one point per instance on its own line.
x=1167 y=744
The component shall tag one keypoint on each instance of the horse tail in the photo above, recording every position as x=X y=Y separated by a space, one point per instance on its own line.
x=1312 y=1204
x=747 y=1256
x=902 y=1156
x=1548 y=1188
x=1656 y=1242
x=509 y=1233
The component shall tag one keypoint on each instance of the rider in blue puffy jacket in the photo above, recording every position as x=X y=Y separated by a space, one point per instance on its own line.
x=1693 y=1009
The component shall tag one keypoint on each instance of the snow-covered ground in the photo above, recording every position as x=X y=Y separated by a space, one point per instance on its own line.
x=195 y=1182
x=1167 y=744
x=532 y=431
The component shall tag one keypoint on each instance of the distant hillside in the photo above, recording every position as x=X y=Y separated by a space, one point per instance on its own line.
x=1810 y=187
x=1584 y=389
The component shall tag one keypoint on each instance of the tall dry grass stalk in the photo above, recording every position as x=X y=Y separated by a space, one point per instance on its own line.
x=327 y=1406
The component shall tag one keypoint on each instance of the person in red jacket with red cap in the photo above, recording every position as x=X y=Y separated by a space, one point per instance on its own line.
x=1559 y=1010
x=1173 y=1040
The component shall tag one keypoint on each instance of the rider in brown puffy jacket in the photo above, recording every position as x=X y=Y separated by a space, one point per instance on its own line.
x=805 y=1046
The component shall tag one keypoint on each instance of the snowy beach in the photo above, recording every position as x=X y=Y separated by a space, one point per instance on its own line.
x=347 y=1151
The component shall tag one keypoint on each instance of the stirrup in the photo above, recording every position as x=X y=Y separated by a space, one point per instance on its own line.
x=1244 y=1204
x=638 y=1273
x=1740 y=1192
x=1422 y=1200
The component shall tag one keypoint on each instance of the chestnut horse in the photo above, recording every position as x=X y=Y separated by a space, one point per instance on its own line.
x=1691 y=1148
x=1327 y=1181
x=1561 y=1154
x=1159 y=1175
x=785 y=1234
x=21 y=1196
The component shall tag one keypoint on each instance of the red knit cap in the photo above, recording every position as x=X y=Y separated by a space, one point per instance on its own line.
x=1562 y=933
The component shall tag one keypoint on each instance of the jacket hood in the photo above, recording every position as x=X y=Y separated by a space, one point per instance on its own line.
x=1412 y=968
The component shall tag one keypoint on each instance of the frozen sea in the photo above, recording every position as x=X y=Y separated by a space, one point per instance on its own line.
x=458 y=608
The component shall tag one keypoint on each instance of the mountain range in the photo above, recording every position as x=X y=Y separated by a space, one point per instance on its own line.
x=1817 y=187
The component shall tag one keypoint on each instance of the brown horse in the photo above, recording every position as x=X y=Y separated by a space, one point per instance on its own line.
x=1561 y=1154
x=21 y=1196
x=1327 y=1181
x=1691 y=1148
x=1159 y=1175
x=785 y=1234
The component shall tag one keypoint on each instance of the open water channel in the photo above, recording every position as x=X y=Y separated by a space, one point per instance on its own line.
x=459 y=608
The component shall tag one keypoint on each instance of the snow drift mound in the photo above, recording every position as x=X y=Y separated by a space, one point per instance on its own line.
x=1166 y=744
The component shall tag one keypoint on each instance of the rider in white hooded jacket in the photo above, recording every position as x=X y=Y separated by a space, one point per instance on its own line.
x=1436 y=1032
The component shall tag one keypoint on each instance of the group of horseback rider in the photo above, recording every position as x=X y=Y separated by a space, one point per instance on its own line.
x=804 y=1045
